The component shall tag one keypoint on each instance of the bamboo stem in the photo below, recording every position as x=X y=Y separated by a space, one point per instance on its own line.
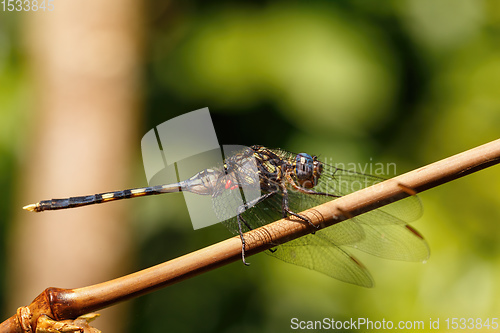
x=63 y=304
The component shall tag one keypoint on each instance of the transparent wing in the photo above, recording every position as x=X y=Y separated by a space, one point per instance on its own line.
x=342 y=182
x=397 y=242
x=382 y=232
x=318 y=254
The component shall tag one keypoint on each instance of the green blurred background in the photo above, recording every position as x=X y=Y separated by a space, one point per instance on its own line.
x=407 y=82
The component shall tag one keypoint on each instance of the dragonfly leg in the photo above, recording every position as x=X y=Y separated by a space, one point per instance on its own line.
x=244 y=221
x=308 y=190
x=313 y=192
x=241 y=220
x=242 y=239
x=286 y=210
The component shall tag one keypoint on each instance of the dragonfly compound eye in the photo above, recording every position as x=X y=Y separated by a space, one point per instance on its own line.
x=318 y=170
x=304 y=170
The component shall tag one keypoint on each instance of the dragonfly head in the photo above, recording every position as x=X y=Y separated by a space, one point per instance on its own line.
x=307 y=170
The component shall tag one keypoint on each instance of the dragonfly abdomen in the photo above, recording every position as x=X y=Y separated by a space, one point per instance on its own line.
x=55 y=204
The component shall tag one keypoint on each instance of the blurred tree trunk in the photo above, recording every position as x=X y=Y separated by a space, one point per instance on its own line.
x=85 y=60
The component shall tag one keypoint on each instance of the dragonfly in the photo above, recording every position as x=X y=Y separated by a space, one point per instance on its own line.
x=289 y=183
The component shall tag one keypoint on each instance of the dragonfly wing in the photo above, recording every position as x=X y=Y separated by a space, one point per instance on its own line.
x=391 y=214
x=381 y=232
x=256 y=216
x=391 y=241
x=318 y=254
x=397 y=242
x=344 y=233
x=408 y=209
x=384 y=232
x=342 y=182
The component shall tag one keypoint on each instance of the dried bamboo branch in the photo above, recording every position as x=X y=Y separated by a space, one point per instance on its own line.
x=61 y=304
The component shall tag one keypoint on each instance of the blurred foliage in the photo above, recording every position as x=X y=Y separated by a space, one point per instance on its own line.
x=13 y=105
x=408 y=82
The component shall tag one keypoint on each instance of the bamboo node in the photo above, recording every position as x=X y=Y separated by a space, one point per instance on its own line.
x=24 y=316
